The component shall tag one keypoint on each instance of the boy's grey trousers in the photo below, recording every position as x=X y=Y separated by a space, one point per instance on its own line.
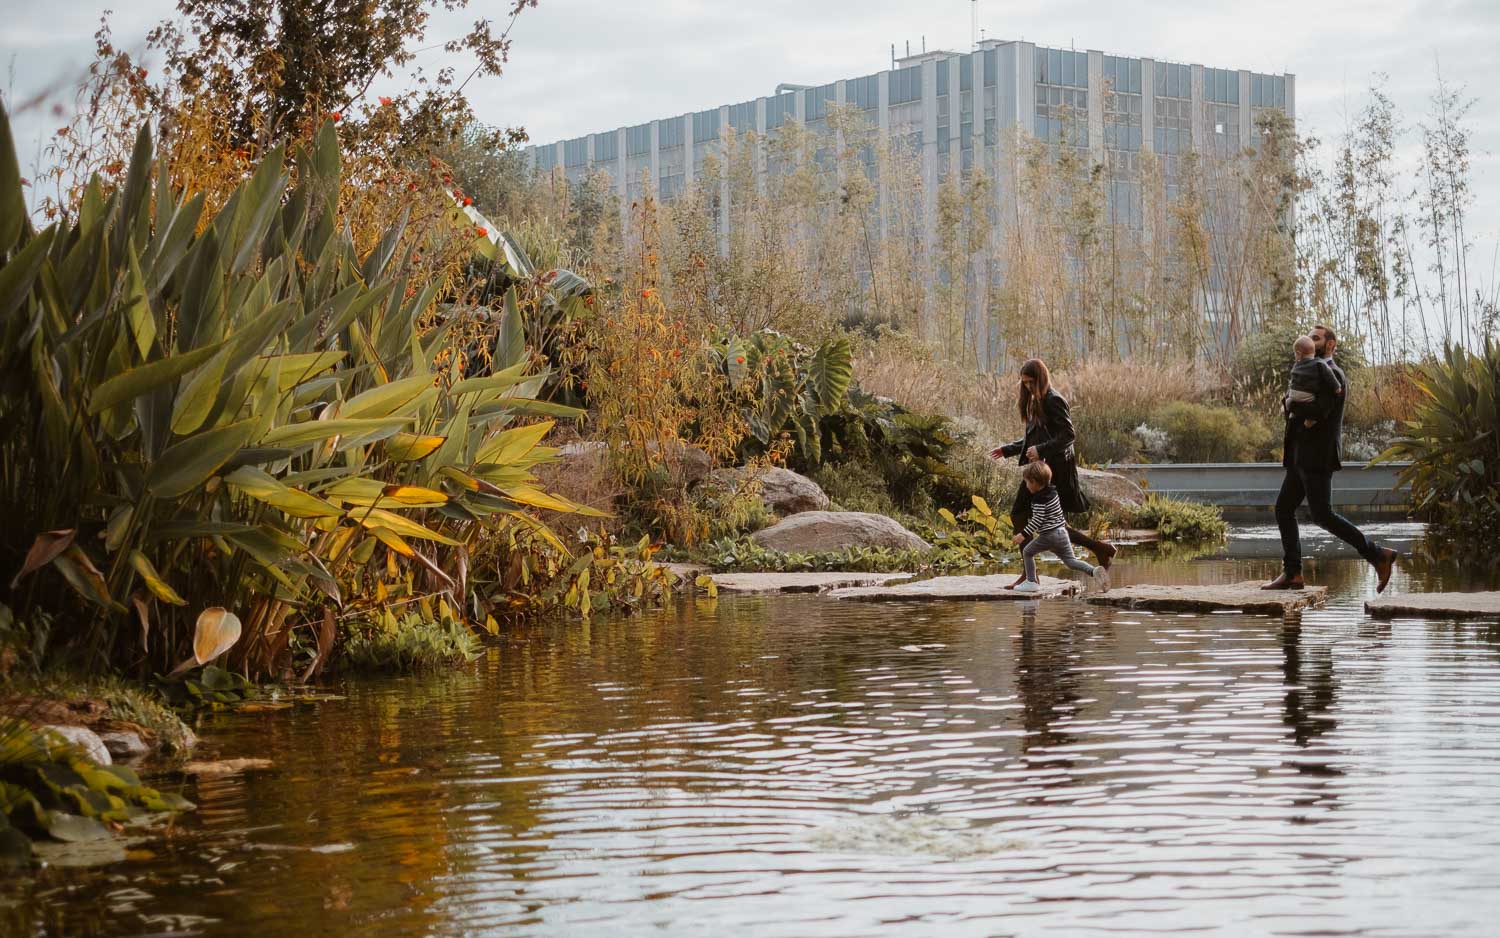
x=1055 y=540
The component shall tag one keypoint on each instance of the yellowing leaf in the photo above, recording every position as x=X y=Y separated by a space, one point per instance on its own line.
x=414 y=496
x=409 y=447
x=158 y=587
x=374 y=518
x=510 y=445
x=217 y=630
x=395 y=543
x=982 y=505
x=536 y=498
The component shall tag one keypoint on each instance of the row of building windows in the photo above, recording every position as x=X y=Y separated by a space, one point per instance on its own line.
x=576 y=152
x=638 y=140
x=780 y=109
x=1122 y=75
x=906 y=84
x=1062 y=67
x=1221 y=85
x=1172 y=81
x=706 y=126
x=815 y=102
x=1268 y=91
x=606 y=147
x=863 y=92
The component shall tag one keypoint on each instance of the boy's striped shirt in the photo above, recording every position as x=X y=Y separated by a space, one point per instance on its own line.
x=1046 y=512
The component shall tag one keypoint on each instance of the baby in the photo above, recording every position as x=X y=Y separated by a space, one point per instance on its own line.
x=1311 y=377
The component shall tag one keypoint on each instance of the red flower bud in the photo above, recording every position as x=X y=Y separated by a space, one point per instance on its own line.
x=384 y=101
x=468 y=201
x=336 y=116
x=739 y=359
x=483 y=231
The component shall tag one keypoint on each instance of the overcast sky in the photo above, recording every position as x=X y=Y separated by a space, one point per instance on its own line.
x=581 y=66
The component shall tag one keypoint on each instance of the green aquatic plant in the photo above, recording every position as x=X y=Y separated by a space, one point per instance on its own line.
x=49 y=788
x=409 y=644
x=1176 y=520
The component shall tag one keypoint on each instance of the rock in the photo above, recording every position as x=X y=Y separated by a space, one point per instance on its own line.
x=969 y=588
x=783 y=491
x=124 y=745
x=225 y=766
x=814 y=531
x=1246 y=597
x=85 y=739
x=1437 y=605
x=798 y=582
x=1109 y=490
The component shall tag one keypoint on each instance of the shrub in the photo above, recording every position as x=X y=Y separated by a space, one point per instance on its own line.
x=410 y=644
x=1208 y=433
x=1454 y=444
x=1109 y=400
x=1176 y=520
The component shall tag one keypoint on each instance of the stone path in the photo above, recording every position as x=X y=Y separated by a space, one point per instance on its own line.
x=993 y=587
x=1445 y=605
x=799 y=582
x=1247 y=596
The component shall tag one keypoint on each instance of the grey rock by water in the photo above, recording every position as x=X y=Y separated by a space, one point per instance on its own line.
x=783 y=491
x=85 y=739
x=124 y=745
x=1109 y=490
x=813 y=531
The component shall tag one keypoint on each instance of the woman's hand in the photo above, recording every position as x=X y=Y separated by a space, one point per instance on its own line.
x=1018 y=539
x=997 y=453
x=1031 y=455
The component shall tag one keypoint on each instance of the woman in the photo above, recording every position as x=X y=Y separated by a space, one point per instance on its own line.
x=1049 y=437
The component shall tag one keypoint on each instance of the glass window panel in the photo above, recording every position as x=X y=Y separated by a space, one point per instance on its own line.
x=1067 y=70
x=991 y=67
x=1135 y=76
x=1054 y=66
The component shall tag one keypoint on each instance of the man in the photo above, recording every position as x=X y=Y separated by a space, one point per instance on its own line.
x=1310 y=455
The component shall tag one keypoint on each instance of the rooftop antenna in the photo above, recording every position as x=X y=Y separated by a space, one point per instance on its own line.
x=924 y=45
x=893 y=56
x=973 y=25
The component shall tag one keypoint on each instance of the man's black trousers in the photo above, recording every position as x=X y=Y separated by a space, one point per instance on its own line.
x=1317 y=489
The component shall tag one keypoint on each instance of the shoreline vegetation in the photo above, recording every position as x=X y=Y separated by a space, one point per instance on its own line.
x=300 y=383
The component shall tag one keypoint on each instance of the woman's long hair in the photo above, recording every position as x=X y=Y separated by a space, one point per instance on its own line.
x=1029 y=403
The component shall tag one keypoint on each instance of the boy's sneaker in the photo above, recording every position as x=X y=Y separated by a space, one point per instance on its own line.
x=1101 y=579
x=1027 y=586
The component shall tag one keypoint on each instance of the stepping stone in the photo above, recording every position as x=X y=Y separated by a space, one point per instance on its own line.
x=1444 y=605
x=1247 y=596
x=967 y=588
x=799 y=582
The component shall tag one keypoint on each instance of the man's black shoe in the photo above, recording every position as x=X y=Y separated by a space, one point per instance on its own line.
x=1287 y=581
x=1383 y=566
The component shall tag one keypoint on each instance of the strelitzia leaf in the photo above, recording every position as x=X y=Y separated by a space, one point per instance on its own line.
x=216 y=632
x=186 y=465
x=143 y=378
x=158 y=587
x=409 y=447
x=315 y=431
x=510 y=445
x=405 y=527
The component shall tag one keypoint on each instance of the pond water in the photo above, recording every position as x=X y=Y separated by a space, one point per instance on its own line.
x=801 y=766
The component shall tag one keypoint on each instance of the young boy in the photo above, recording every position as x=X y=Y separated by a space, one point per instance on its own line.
x=1048 y=530
x=1313 y=384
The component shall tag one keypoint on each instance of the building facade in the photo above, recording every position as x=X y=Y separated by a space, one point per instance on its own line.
x=956 y=109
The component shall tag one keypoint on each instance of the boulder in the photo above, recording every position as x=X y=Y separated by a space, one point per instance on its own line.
x=85 y=739
x=1109 y=490
x=124 y=744
x=815 y=531
x=783 y=491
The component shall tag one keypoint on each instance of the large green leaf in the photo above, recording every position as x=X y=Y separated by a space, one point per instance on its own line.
x=315 y=431
x=395 y=398
x=137 y=381
x=510 y=445
x=186 y=465
x=12 y=199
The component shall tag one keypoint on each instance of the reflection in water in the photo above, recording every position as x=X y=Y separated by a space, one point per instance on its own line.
x=793 y=766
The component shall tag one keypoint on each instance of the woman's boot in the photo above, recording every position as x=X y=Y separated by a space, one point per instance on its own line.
x=1103 y=550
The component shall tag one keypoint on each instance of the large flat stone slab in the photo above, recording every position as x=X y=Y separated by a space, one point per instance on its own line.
x=1440 y=605
x=799 y=582
x=1247 y=596
x=967 y=588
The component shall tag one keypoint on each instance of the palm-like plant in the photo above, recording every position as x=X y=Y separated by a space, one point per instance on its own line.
x=1454 y=443
x=237 y=410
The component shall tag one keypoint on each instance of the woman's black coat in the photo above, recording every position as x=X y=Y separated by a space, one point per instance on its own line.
x=1053 y=436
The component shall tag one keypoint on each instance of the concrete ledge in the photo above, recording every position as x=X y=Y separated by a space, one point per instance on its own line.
x=969 y=588
x=1247 y=596
x=799 y=582
x=1441 y=605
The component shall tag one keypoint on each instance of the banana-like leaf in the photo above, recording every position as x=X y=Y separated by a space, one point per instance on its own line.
x=12 y=199
x=143 y=378
x=385 y=400
x=260 y=485
x=46 y=547
x=410 y=447
x=188 y=464
x=158 y=587
x=510 y=445
x=314 y=431
x=405 y=527
x=392 y=540
x=536 y=498
x=510 y=347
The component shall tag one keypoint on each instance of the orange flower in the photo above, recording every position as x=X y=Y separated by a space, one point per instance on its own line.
x=588 y=300
x=676 y=353
x=739 y=359
x=336 y=116
x=646 y=293
x=468 y=201
x=411 y=187
x=384 y=101
x=550 y=276
x=483 y=231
